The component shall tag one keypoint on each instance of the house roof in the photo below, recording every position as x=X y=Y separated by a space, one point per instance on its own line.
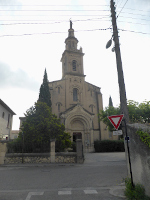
x=6 y=107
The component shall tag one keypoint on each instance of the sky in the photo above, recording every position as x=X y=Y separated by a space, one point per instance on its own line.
x=32 y=35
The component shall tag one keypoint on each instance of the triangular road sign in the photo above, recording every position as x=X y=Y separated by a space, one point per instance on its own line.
x=115 y=120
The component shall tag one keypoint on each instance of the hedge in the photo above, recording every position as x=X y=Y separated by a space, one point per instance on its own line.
x=109 y=146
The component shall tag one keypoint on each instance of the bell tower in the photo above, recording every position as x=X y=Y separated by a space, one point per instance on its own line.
x=72 y=58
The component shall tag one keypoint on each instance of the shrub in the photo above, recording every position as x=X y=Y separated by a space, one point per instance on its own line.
x=109 y=146
x=134 y=193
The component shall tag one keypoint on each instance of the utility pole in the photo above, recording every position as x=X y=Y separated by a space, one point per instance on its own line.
x=123 y=99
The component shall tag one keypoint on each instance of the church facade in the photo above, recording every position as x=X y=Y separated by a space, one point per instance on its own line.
x=75 y=101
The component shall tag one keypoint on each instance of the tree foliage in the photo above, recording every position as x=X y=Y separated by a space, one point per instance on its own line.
x=137 y=113
x=108 y=112
x=44 y=95
x=41 y=126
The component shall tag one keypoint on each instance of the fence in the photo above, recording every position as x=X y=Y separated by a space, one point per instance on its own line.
x=49 y=157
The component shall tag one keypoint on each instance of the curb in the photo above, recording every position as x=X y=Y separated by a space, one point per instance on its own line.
x=117 y=191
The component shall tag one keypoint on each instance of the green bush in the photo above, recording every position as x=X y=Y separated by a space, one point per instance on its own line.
x=109 y=146
x=134 y=193
x=14 y=146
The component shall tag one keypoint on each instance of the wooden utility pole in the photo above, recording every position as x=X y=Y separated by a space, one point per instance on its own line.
x=123 y=99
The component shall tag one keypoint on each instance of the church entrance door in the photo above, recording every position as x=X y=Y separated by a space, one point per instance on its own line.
x=77 y=135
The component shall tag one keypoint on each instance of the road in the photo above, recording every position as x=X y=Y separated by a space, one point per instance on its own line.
x=97 y=178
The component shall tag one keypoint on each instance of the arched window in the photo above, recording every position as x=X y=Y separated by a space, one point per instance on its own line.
x=58 y=90
x=92 y=108
x=74 y=65
x=75 y=94
x=58 y=107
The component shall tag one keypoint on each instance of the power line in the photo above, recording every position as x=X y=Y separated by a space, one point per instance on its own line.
x=29 y=34
x=54 y=5
x=122 y=8
x=134 y=31
x=55 y=22
x=135 y=18
x=49 y=33
x=54 y=10
x=133 y=22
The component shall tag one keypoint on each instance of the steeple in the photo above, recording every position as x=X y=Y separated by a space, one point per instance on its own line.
x=71 y=41
x=72 y=58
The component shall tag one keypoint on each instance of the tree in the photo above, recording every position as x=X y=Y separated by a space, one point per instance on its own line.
x=44 y=95
x=108 y=112
x=110 y=101
x=145 y=111
x=137 y=113
x=134 y=111
x=41 y=126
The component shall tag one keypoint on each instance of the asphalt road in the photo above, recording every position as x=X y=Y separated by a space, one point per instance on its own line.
x=97 y=178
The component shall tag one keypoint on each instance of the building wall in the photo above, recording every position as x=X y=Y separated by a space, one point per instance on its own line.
x=140 y=156
x=5 y=123
x=89 y=97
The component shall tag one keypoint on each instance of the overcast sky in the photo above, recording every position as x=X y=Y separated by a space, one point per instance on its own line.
x=32 y=35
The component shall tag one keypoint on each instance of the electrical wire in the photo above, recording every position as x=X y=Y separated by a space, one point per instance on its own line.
x=48 y=33
x=29 y=34
x=134 y=31
x=122 y=8
x=56 y=22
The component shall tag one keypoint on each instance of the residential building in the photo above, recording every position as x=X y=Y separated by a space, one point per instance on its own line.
x=6 y=119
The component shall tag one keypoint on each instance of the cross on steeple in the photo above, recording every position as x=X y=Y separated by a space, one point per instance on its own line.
x=70 y=24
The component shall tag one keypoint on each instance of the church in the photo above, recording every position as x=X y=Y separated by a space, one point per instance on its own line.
x=75 y=101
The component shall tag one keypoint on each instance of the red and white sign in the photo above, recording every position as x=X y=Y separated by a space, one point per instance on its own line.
x=115 y=120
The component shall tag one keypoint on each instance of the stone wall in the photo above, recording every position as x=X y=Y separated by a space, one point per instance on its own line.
x=16 y=158
x=140 y=156
x=3 y=149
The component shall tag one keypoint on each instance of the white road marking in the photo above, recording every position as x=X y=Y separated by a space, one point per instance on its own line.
x=33 y=193
x=64 y=192
x=90 y=192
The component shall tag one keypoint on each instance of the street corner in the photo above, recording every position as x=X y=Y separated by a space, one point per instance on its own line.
x=118 y=191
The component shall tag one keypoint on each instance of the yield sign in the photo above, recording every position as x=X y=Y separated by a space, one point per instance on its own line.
x=115 y=120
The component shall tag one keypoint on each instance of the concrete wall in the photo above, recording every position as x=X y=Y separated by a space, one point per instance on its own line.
x=140 y=157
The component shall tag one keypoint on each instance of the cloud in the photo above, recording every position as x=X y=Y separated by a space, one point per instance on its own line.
x=17 y=79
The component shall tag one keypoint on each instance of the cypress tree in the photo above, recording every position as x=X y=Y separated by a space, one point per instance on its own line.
x=44 y=95
x=110 y=102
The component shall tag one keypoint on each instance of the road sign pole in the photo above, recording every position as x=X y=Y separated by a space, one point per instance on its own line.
x=128 y=153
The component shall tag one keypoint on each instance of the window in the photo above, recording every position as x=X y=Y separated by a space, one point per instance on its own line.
x=92 y=108
x=75 y=94
x=58 y=107
x=8 y=123
x=58 y=90
x=74 y=65
x=3 y=114
x=91 y=93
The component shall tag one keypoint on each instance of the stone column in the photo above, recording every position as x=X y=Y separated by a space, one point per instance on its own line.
x=3 y=150
x=52 y=150
x=79 y=149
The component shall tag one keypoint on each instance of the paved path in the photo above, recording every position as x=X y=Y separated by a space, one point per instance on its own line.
x=100 y=177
